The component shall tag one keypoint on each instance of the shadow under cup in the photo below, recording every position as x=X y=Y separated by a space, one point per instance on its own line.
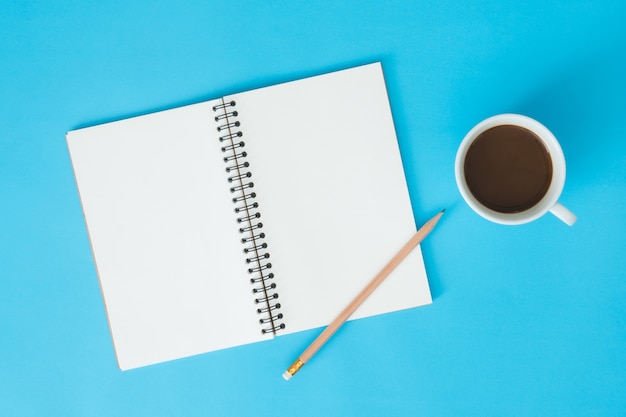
x=510 y=169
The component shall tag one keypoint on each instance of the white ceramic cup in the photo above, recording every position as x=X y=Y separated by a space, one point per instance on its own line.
x=549 y=202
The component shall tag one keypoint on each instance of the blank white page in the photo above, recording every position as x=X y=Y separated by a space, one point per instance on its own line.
x=332 y=193
x=164 y=235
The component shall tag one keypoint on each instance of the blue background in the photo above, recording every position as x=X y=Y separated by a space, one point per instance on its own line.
x=527 y=320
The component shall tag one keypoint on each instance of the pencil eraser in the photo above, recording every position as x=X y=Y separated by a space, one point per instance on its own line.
x=286 y=375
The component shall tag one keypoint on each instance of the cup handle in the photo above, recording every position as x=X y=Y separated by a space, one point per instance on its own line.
x=560 y=211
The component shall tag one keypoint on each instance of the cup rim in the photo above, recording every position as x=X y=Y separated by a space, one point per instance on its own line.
x=556 y=156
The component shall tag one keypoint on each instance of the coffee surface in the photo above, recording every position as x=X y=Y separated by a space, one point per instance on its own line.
x=508 y=169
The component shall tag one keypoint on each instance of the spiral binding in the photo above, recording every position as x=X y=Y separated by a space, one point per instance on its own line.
x=247 y=209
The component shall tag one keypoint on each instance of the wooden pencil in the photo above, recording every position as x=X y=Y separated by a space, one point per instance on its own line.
x=358 y=300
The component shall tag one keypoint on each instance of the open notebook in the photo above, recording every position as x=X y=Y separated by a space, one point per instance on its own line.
x=254 y=215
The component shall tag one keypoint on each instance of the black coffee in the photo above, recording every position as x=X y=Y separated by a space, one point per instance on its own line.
x=508 y=169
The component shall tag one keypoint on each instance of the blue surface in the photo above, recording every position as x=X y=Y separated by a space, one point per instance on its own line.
x=526 y=321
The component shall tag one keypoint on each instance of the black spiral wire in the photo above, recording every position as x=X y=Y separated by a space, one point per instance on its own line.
x=248 y=215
